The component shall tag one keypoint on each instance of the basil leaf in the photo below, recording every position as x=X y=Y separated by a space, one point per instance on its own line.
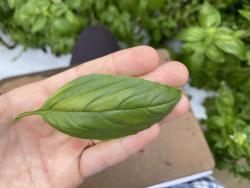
x=155 y=4
x=58 y=9
x=39 y=24
x=193 y=46
x=214 y=54
x=191 y=34
x=225 y=102
x=243 y=33
x=75 y=22
x=12 y=3
x=106 y=107
x=209 y=16
x=248 y=57
x=196 y=64
x=231 y=45
x=245 y=14
x=244 y=114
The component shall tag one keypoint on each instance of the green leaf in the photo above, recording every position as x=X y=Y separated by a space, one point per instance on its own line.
x=241 y=33
x=193 y=46
x=214 y=54
x=239 y=138
x=191 y=34
x=209 y=16
x=58 y=9
x=12 y=3
x=225 y=101
x=248 y=57
x=216 y=122
x=128 y=5
x=76 y=23
x=39 y=24
x=245 y=113
x=245 y=14
x=224 y=31
x=155 y=4
x=142 y=7
x=231 y=45
x=100 y=5
x=105 y=107
x=196 y=63
x=59 y=27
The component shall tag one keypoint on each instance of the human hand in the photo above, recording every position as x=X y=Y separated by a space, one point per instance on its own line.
x=33 y=154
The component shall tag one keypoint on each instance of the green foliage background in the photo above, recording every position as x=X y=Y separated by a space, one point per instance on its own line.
x=215 y=39
x=57 y=23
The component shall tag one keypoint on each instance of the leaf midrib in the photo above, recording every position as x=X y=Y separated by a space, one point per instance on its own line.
x=173 y=100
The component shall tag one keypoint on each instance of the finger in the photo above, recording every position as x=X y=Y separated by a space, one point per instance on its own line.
x=132 y=62
x=181 y=108
x=109 y=153
x=172 y=73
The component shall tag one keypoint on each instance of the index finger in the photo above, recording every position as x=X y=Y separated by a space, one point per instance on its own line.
x=134 y=61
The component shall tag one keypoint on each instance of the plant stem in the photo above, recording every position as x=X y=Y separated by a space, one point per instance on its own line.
x=22 y=115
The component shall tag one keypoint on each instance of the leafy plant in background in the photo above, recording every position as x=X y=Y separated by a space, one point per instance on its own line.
x=57 y=23
x=210 y=45
x=217 y=55
x=215 y=39
x=228 y=130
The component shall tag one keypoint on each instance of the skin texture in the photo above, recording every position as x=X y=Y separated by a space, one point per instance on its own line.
x=32 y=154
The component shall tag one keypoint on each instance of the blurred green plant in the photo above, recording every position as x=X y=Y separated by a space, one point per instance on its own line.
x=210 y=45
x=57 y=23
x=228 y=130
x=217 y=54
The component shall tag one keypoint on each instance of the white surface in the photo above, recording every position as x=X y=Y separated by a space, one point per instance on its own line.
x=182 y=180
x=30 y=61
x=197 y=98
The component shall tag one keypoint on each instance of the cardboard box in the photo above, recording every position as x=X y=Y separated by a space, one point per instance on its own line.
x=179 y=151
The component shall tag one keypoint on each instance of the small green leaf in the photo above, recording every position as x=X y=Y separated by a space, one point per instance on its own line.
x=106 y=107
x=12 y=3
x=231 y=45
x=39 y=24
x=76 y=23
x=142 y=7
x=197 y=60
x=100 y=5
x=225 y=101
x=239 y=138
x=60 y=27
x=241 y=33
x=214 y=54
x=128 y=5
x=209 y=16
x=196 y=63
x=155 y=4
x=217 y=122
x=245 y=14
x=224 y=31
x=58 y=9
x=191 y=34
x=193 y=46
x=244 y=114
x=248 y=57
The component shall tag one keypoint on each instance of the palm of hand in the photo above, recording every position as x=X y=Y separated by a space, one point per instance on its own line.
x=33 y=154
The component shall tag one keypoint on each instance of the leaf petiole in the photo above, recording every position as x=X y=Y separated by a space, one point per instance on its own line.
x=22 y=115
